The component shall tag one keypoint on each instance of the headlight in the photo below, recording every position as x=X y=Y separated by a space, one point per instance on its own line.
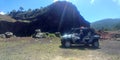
x=96 y=36
x=64 y=36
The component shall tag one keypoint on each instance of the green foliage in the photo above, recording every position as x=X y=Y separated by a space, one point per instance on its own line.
x=44 y=35
x=47 y=33
x=57 y=34
x=51 y=35
x=104 y=29
x=20 y=14
x=21 y=8
x=117 y=27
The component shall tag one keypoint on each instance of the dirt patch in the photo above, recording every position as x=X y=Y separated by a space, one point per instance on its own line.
x=110 y=47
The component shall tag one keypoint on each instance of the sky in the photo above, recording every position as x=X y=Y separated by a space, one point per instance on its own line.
x=91 y=10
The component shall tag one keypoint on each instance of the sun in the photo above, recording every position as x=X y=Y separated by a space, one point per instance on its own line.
x=59 y=0
x=55 y=0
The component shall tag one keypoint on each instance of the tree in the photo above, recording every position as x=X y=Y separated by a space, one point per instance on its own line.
x=13 y=13
x=117 y=27
x=21 y=8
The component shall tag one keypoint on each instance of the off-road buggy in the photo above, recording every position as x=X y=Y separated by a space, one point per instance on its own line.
x=84 y=36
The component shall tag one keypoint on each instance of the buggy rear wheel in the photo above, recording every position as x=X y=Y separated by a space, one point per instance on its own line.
x=95 y=44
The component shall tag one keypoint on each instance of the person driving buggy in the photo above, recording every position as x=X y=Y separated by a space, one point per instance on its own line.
x=86 y=32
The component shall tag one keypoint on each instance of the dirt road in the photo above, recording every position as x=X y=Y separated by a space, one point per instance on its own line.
x=27 y=48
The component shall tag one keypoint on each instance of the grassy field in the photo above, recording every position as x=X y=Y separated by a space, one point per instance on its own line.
x=50 y=49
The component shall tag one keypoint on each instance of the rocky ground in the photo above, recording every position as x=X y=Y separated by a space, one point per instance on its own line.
x=27 y=48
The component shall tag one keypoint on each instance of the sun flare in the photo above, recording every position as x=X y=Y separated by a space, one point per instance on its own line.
x=59 y=0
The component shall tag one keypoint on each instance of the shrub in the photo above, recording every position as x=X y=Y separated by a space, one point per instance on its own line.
x=51 y=35
x=44 y=35
x=47 y=33
x=57 y=34
x=2 y=36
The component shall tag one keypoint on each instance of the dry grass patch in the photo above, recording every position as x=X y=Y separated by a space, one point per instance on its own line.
x=50 y=49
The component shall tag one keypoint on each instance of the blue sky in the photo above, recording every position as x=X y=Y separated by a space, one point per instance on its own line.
x=91 y=10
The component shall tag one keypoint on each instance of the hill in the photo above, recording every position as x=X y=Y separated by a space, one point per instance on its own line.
x=60 y=16
x=107 y=24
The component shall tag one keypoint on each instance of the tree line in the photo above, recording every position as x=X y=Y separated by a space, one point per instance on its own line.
x=22 y=14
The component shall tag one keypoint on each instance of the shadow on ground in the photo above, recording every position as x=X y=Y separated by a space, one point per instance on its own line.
x=80 y=47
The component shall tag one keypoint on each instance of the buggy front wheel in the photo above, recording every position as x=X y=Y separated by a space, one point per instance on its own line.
x=67 y=44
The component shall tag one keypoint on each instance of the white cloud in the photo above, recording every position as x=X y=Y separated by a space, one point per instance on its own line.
x=2 y=13
x=92 y=1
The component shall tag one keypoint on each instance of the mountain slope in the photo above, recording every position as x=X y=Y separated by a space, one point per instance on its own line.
x=108 y=24
x=60 y=16
x=6 y=18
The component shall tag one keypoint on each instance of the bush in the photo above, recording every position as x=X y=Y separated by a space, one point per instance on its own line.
x=57 y=34
x=2 y=36
x=44 y=35
x=47 y=33
x=51 y=35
